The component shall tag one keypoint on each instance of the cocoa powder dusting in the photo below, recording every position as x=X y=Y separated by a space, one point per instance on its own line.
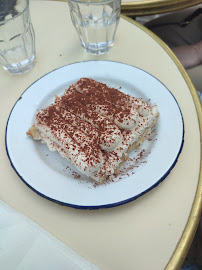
x=75 y=115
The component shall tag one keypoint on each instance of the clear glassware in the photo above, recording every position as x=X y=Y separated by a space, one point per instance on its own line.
x=96 y=22
x=17 y=39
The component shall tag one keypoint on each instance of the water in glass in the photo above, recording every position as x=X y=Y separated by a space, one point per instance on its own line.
x=17 y=41
x=96 y=23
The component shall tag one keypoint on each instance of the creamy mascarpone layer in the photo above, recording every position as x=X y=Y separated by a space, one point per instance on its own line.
x=93 y=126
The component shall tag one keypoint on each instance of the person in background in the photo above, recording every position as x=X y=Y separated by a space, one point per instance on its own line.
x=182 y=32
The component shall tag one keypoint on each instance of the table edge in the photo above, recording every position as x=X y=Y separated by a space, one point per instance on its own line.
x=151 y=7
x=186 y=239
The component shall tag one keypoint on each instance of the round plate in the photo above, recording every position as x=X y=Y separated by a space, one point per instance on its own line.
x=53 y=177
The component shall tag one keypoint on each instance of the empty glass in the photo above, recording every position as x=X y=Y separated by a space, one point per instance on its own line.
x=17 y=41
x=96 y=22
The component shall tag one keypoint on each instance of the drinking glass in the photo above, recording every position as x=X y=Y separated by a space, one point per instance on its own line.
x=17 y=39
x=96 y=22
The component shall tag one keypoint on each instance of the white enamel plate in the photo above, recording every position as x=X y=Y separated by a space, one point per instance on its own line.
x=53 y=177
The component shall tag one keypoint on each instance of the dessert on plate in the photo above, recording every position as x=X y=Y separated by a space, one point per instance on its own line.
x=94 y=127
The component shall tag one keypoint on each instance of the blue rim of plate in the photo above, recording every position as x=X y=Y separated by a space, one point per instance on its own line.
x=87 y=207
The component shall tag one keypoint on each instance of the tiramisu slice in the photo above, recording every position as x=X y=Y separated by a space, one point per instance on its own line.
x=94 y=127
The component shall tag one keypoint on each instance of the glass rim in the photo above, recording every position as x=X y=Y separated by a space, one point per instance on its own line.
x=17 y=15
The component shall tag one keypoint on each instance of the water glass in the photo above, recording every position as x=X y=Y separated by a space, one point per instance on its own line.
x=96 y=22
x=17 y=40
